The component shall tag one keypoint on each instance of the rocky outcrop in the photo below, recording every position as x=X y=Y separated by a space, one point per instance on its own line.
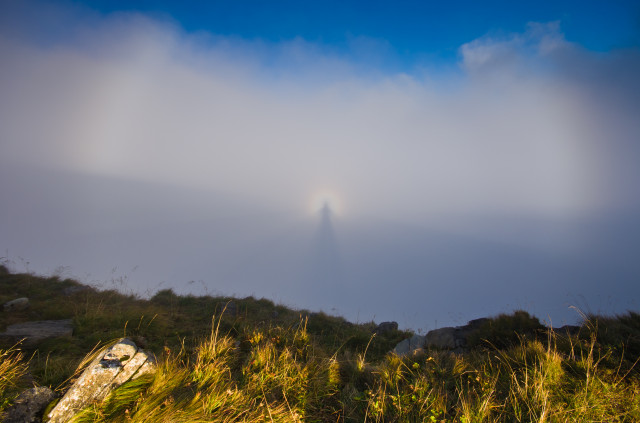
x=444 y=338
x=453 y=338
x=410 y=345
x=17 y=304
x=29 y=405
x=116 y=365
x=31 y=333
x=448 y=338
x=385 y=327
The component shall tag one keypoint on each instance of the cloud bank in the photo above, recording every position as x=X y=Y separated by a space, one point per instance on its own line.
x=521 y=130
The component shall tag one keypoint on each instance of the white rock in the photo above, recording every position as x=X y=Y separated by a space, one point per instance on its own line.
x=118 y=364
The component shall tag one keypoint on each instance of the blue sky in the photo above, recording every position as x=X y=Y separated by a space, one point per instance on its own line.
x=414 y=29
x=474 y=156
x=413 y=33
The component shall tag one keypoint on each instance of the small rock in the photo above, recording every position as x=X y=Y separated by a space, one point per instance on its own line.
x=385 y=327
x=17 y=304
x=34 y=332
x=410 y=345
x=29 y=405
x=116 y=365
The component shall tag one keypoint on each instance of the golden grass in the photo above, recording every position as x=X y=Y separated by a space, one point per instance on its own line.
x=297 y=366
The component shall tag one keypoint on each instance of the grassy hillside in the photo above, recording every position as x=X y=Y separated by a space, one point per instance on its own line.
x=257 y=361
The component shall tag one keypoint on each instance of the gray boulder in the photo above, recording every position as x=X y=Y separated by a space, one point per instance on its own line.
x=116 y=365
x=448 y=338
x=454 y=338
x=29 y=405
x=445 y=338
x=17 y=304
x=410 y=345
x=385 y=327
x=34 y=332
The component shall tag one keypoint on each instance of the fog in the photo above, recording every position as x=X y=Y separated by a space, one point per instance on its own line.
x=137 y=155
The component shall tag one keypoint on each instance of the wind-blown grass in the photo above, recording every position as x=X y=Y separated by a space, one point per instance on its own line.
x=12 y=370
x=278 y=375
x=270 y=363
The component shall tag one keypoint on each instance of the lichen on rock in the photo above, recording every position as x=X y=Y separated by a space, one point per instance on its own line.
x=119 y=363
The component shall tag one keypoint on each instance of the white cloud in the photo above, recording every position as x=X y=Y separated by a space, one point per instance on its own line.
x=134 y=97
x=513 y=51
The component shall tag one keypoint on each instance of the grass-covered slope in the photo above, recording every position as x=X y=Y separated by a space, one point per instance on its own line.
x=265 y=362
